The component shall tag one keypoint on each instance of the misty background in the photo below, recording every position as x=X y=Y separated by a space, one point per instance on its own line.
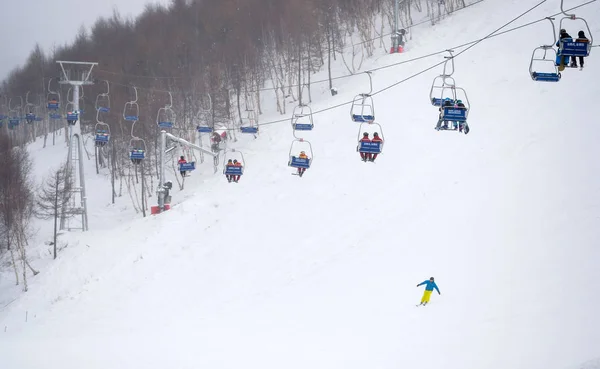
x=53 y=22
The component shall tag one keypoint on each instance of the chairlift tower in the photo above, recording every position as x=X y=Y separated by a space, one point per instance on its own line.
x=77 y=75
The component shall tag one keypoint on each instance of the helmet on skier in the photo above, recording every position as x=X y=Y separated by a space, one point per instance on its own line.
x=181 y=157
x=235 y=160
x=376 y=134
x=447 y=99
x=459 y=101
x=302 y=152
x=365 y=134
x=229 y=161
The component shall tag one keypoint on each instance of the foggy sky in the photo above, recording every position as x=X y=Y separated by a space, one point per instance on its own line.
x=52 y=22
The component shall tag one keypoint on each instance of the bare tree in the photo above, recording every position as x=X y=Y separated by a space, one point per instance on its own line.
x=53 y=198
x=16 y=202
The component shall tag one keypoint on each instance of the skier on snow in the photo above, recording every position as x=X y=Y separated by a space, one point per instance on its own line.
x=429 y=286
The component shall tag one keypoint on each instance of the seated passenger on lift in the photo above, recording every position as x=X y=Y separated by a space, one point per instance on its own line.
x=459 y=105
x=302 y=156
x=365 y=155
x=376 y=138
x=229 y=164
x=447 y=103
x=236 y=164
x=582 y=39
x=562 y=61
x=179 y=162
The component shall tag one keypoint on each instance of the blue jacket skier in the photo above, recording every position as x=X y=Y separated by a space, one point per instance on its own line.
x=429 y=286
x=562 y=37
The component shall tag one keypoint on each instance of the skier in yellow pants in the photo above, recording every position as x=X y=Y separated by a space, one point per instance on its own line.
x=429 y=286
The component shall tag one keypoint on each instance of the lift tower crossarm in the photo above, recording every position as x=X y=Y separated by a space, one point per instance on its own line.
x=162 y=191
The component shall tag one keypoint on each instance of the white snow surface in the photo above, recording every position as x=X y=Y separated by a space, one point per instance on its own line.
x=318 y=272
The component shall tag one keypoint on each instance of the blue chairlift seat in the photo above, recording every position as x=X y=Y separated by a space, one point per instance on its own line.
x=165 y=124
x=53 y=106
x=137 y=154
x=370 y=147
x=72 y=116
x=132 y=118
x=363 y=118
x=252 y=130
x=546 y=77
x=103 y=109
x=204 y=129
x=297 y=162
x=102 y=136
x=436 y=101
x=2 y=117
x=574 y=49
x=186 y=167
x=232 y=170
x=303 y=126
x=38 y=119
x=29 y=117
x=13 y=122
x=455 y=114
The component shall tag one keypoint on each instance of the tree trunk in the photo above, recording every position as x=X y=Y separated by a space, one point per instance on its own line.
x=329 y=58
x=12 y=256
x=143 y=189
x=56 y=210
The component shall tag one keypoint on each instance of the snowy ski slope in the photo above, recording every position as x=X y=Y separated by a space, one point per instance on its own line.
x=320 y=271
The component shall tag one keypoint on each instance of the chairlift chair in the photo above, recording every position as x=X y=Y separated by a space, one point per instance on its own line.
x=456 y=114
x=103 y=100
x=231 y=170
x=55 y=115
x=53 y=101
x=13 y=122
x=302 y=118
x=131 y=110
x=363 y=108
x=187 y=167
x=30 y=117
x=250 y=123
x=370 y=147
x=138 y=150
x=546 y=62
x=165 y=117
x=204 y=129
x=298 y=146
x=72 y=115
x=102 y=134
x=574 y=48
x=544 y=68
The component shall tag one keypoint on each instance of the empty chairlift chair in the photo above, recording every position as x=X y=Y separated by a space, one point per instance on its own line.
x=542 y=67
